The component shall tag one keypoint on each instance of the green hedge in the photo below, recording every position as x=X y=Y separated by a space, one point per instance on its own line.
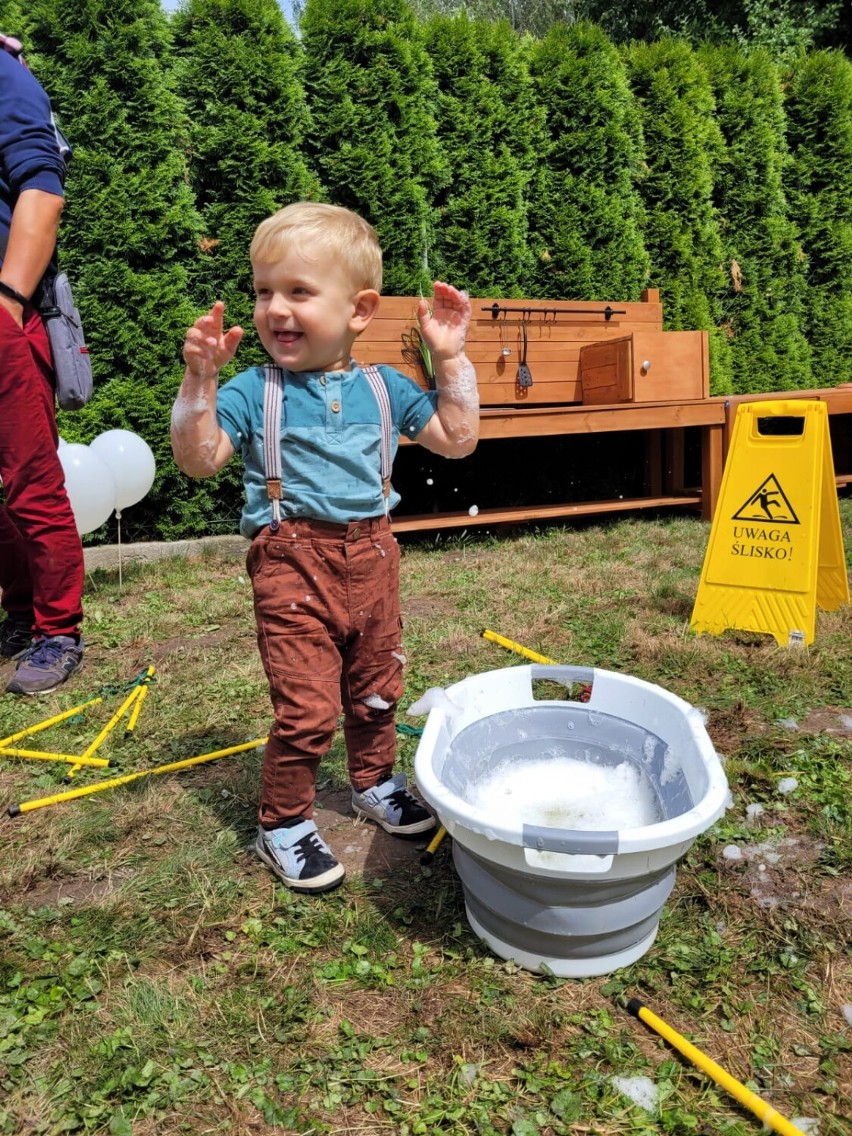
x=560 y=167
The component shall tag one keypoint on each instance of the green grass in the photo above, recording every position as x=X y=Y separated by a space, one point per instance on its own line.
x=155 y=979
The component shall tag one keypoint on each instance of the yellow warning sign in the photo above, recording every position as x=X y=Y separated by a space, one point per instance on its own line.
x=776 y=548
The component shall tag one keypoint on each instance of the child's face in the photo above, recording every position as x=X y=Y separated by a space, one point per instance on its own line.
x=307 y=311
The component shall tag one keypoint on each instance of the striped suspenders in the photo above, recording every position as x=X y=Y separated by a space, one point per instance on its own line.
x=380 y=390
x=273 y=391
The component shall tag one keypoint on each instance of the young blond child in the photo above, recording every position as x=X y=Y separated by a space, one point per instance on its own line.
x=323 y=562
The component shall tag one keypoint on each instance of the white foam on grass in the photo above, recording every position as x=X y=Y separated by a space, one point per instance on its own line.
x=787 y=785
x=561 y=792
x=641 y=1090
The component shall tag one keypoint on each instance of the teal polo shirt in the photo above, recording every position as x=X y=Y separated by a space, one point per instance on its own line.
x=330 y=441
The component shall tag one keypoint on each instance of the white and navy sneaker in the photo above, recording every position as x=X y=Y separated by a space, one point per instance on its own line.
x=299 y=856
x=391 y=805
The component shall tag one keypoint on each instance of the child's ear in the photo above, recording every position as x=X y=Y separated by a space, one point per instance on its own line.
x=366 y=306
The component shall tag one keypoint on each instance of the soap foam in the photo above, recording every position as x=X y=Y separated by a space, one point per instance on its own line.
x=560 y=792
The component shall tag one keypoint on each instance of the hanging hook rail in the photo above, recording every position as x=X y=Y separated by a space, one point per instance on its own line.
x=527 y=313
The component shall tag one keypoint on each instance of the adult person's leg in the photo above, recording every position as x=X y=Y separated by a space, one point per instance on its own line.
x=38 y=507
x=16 y=593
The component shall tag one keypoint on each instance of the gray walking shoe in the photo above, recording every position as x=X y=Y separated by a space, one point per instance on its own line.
x=391 y=805
x=48 y=662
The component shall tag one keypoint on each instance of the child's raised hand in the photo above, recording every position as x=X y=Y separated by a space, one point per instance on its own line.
x=208 y=347
x=445 y=328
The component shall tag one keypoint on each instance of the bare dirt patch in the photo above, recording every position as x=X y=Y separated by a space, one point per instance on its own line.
x=361 y=846
x=781 y=872
x=433 y=606
x=83 y=891
x=828 y=720
x=180 y=645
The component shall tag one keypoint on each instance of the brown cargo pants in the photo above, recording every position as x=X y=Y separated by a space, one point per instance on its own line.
x=326 y=601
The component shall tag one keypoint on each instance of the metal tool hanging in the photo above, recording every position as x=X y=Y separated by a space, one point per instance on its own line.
x=525 y=378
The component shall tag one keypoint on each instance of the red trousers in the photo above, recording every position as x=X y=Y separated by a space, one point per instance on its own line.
x=326 y=601
x=41 y=557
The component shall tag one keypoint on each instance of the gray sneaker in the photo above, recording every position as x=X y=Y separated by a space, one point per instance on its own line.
x=299 y=856
x=46 y=664
x=391 y=805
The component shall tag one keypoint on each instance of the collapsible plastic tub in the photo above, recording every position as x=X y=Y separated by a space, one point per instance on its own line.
x=575 y=901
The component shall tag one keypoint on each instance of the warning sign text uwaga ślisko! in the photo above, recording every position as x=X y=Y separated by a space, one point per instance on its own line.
x=763 y=525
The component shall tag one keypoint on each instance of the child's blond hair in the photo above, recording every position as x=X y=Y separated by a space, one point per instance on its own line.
x=329 y=228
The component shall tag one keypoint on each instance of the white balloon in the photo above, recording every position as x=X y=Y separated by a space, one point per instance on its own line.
x=132 y=463
x=89 y=484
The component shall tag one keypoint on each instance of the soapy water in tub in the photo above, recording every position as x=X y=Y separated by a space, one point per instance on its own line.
x=564 y=793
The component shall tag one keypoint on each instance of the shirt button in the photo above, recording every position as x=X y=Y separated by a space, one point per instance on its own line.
x=322 y=380
x=335 y=406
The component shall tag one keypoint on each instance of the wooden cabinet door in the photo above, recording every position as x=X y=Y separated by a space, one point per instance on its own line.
x=669 y=366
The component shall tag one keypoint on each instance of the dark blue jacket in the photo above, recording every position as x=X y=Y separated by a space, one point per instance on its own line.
x=30 y=157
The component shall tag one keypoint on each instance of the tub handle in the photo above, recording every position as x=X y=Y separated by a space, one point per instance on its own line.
x=570 y=841
x=567 y=675
x=563 y=862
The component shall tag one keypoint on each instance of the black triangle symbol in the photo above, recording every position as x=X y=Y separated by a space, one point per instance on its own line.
x=768 y=504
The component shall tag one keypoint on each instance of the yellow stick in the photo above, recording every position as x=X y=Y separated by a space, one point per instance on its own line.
x=45 y=755
x=113 y=722
x=134 y=714
x=752 y=1101
x=511 y=645
x=114 y=782
x=105 y=732
x=48 y=722
x=432 y=847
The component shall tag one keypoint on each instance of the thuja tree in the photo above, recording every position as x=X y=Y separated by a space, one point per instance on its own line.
x=13 y=20
x=819 y=117
x=488 y=124
x=370 y=89
x=766 y=290
x=237 y=69
x=584 y=209
x=683 y=146
x=130 y=235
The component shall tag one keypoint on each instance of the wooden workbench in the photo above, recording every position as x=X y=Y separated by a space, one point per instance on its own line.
x=664 y=428
x=605 y=371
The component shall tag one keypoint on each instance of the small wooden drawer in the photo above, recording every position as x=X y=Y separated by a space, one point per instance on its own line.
x=646 y=366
